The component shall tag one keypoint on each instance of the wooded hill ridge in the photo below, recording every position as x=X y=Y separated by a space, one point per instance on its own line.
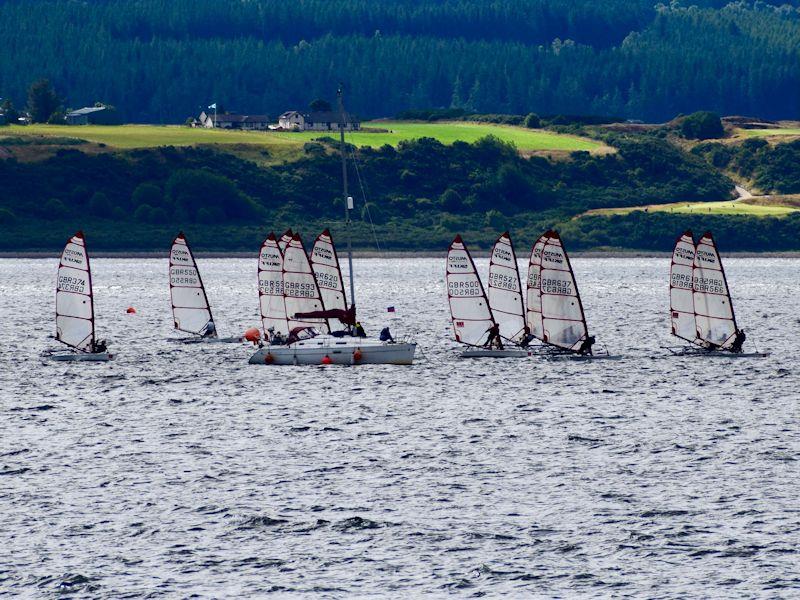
x=161 y=62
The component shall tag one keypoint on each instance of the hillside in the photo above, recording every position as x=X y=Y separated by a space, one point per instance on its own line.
x=160 y=62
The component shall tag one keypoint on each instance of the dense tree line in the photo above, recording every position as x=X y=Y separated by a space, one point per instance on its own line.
x=159 y=61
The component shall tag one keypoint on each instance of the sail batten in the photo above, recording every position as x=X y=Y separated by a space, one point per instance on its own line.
x=74 y=298
x=714 y=317
x=300 y=290
x=505 y=289
x=563 y=319
x=533 y=316
x=328 y=272
x=284 y=240
x=469 y=306
x=270 y=287
x=191 y=311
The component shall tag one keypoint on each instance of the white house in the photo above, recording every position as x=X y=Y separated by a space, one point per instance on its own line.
x=293 y=120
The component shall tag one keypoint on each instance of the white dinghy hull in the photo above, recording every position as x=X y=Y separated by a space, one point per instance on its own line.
x=226 y=340
x=583 y=357
x=702 y=353
x=314 y=352
x=494 y=353
x=82 y=357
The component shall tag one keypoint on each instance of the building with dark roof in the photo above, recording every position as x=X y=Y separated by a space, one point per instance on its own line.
x=293 y=120
x=233 y=121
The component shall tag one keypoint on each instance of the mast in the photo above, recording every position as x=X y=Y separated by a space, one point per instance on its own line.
x=348 y=201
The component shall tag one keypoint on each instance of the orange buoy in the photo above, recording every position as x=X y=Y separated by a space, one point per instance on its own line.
x=252 y=335
x=357 y=354
x=269 y=359
x=131 y=310
x=326 y=360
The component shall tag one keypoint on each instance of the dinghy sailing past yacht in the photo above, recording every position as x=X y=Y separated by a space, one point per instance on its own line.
x=191 y=312
x=306 y=288
x=75 y=325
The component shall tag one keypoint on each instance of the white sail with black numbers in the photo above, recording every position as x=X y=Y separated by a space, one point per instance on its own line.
x=325 y=264
x=563 y=320
x=469 y=307
x=505 y=289
x=681 y=286
x=270 y=287
x=74 y=300
x=714 y=317
x=300 y=290
x=533 y=316
x=190 y=309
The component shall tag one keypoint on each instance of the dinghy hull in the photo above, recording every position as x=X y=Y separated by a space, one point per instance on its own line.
x=494 y=353
x=336 y=354
x=82 y=357
x=227 y=340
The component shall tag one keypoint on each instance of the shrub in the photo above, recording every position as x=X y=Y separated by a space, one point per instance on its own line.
x=54 y=209
x=99 y=205
x=147 y=193
x=532 y=121
x=702 y=125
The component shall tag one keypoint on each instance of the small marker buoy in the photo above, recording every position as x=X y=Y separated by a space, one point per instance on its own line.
x=357 y=354
x=252 y=335
x=131 y=310
x=326 y=360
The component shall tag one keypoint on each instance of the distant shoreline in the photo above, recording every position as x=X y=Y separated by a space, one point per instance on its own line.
x=390 y=254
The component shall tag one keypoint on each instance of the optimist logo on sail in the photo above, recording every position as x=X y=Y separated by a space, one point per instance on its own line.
x=270 y=260
x=72 y=256
x=502 y=254
x=707 y=256
x=181 y=255
x=458 y=263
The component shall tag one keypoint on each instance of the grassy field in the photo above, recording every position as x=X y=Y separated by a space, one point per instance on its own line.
x=145 y=136
x=754 y=207
x=768 y=132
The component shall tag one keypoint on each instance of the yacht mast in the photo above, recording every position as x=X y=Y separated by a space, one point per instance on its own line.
x=348 y=200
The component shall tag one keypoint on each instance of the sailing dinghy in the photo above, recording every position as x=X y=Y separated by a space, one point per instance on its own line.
x=191 y=312
x=558 y=306
x=505 y=291
x=75 y=326
x=701 y=308
x=270 y=289
x=313 y=294
x=469 y=307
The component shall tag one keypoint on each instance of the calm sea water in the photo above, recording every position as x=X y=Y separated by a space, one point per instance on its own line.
x=183 y=470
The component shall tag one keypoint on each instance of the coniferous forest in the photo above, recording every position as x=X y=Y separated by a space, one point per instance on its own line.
x=162 y=60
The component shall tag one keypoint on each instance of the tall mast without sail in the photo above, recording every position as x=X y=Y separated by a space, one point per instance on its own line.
x=714 y=317
x=270 y=287
x=562 y=311
x=191 y=311
x=681 y=295
x=325 y=263
x=300 y=290
x=533 y=317
x=74 y=299
x=348 y=201
x=505 y=289
x=469 y=307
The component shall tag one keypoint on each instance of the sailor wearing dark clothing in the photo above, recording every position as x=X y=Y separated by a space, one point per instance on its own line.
x=586 y=346
x=494 y=337
x=210 y=330
x=738 y=341
x=527 y=338
x=386 y=335
x=99 y=347
x=359 y=332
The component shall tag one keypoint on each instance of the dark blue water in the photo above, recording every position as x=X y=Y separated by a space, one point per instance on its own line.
x=183 y=470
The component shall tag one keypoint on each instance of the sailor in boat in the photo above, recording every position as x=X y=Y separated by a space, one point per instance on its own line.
x=494 y=337
x=210 y=330
x=99 y=347
x=359 y=332
x=586 y=346
x=386 y=336
x=527 y=338
x=738 y=341
x=276 y=338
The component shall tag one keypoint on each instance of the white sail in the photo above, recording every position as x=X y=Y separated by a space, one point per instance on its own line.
x=284 y=240
x=190 y=310
x=505 y=289
x=300 y=289
x=562 y=312
x=270 y=287
x=74 y=302
x=533 y=317
x=713 y=309
x=469 y=307
x=681 y=287
x=325 y=264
